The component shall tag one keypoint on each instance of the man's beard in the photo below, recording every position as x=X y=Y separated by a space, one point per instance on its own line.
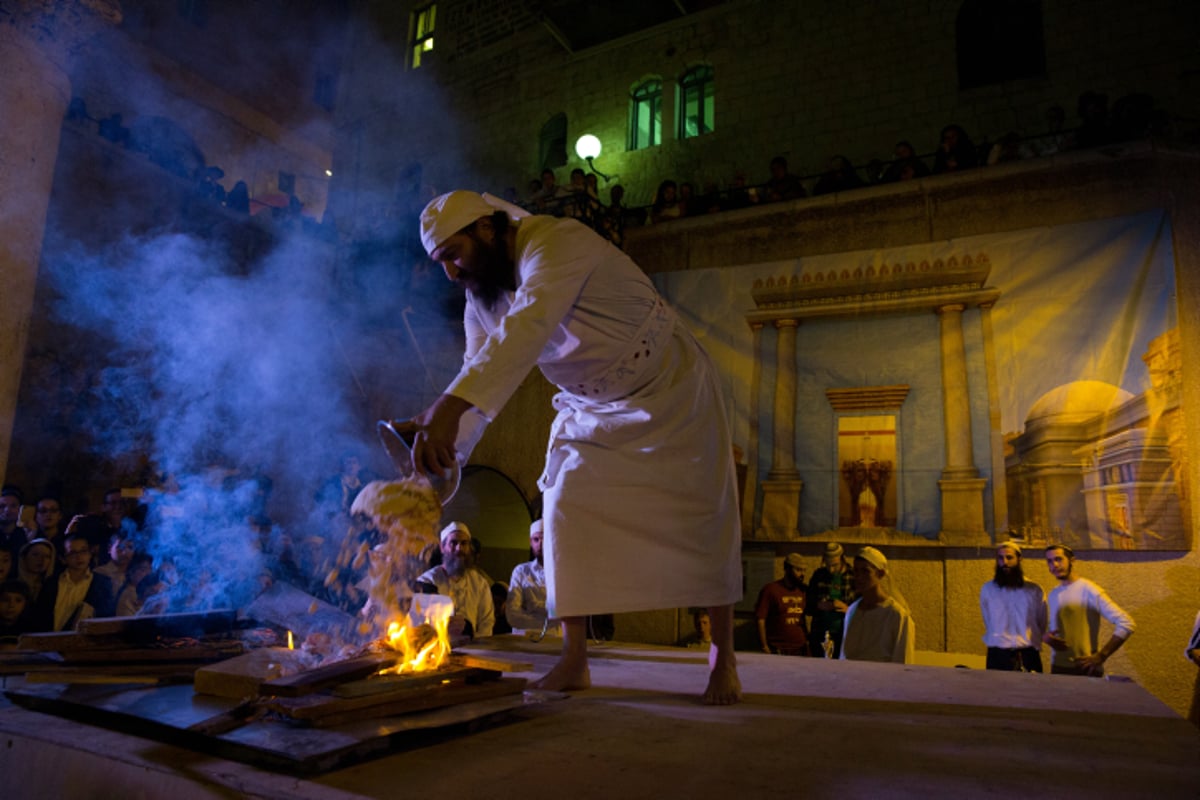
x=455 y=564
x=1010 y=577
x=495 y=274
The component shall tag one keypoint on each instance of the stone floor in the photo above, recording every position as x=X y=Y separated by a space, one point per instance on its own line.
x=808 y=728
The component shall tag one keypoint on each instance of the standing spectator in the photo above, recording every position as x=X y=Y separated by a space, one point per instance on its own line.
x=1014 y=615
x=548 y=198
x=36 y=567
x=839 y=176
x=1076 y=606
x=527 y=588
x=14 y=611
x=12 y=535
x=701 y=635
x=1192 y=652
x=879 y=626
x=783 y=185
x=830 y=593
x=77 y=593
x=48 y=520
x=955 y=151
x=780 y=611
x=238 y=199
x=666 y=203
x=339 y=491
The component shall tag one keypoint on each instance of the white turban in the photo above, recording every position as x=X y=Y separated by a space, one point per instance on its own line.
x=451 y=528
x=873 y=557
x=449 y=213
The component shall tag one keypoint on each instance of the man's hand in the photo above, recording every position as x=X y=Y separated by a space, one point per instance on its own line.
x=1093 y=664
x=1055 y=641
x=434 y=446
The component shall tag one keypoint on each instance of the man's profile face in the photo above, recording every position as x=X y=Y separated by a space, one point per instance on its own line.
x=535 y=543
x=477 y=260
x=866 y=577
x=1059 y=563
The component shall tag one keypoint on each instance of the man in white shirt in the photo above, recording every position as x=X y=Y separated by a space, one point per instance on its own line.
x=526 y=606
x=457 y=578
x=1076 y=606
x=1014 y=615
x=878 y=626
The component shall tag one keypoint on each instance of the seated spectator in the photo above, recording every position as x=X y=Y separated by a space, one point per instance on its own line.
x=531 y=194
x=129 y=601
x=1006 y=148
x=580 y=203
x=687 y=199
x=120 y=554
x=499 y=599
x=1054 y=139
x=96 y=530
x=77 y=593
x=8 y=565
x=14 y=611
x=548 y=199
x=36 y=567
x=906 y=166
x=459 y=579
x=207 y=183
x=526 y=602
x=701 y=635
x=783 y=185
x=878 y=625
x=956 y=151
x=666 y=203
x=709 y=202
x=1093 y=130
x=840 y=176
x=739 y=195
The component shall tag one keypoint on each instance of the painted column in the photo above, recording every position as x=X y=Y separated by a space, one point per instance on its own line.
x=996 y=434
x=781 y=489
x=36 y=38
x=961 y=486
x=750 y=488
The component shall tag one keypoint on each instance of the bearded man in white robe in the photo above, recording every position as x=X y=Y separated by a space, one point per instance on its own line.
x=639 y=483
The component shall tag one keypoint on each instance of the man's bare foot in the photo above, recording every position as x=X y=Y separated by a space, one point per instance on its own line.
x=568 y=675
x=724 y=687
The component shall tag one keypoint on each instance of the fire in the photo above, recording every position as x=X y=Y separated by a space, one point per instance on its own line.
x=422 y=647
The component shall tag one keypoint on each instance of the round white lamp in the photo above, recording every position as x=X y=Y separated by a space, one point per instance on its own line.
x=587 y=147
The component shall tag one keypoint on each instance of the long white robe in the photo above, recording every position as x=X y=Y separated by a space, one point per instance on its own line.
x=639 y=484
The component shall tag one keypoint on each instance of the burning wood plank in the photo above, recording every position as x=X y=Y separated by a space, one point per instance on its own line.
x=244 y=675
x=314 y=680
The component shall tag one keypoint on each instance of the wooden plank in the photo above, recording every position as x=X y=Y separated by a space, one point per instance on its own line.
x=244 y=675
x=54 y=642
x=314 y=680
x=204 y=653
x=416 y=699
x=187 y=623
x=383 y=684
x=74 y=676
x=497 y=664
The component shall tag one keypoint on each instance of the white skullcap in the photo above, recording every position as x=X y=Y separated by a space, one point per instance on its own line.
x=1011 y=545
x=873 y=557
x=536 y=526
x=451 y=528
x=449 y=213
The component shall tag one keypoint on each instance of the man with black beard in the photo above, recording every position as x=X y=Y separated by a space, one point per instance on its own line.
x=639 y=486
x=457 y=578
x=1014 y=614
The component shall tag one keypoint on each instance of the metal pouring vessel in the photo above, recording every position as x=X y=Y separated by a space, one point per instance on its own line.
x=397 y=438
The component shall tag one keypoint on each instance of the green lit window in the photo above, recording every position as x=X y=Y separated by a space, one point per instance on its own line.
x=422 y=36
x=695 y=111
x=645 y=115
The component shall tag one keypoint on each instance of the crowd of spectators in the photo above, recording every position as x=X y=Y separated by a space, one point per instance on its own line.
x=1132 y=117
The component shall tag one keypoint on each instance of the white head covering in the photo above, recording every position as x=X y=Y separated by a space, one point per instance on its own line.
x=1011 y=545
x=873 y=557
x=536 y=526
x=451 y=528
x=449 y=213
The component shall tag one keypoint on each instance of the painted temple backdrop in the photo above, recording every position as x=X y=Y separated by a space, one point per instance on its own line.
x=1021 y=384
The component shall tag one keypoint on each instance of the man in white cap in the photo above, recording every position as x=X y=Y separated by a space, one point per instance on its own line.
x=526 y=605
x=1014 y=615
x=830 y=593
x=639 y=483
x=780 y=611
x=878 y=625
x=457 y=578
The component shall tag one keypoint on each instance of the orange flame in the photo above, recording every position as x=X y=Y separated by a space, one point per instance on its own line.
x=420 y=652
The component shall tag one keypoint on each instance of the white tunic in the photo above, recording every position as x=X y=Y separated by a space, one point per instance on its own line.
x=639 y=488
x=1013 y=618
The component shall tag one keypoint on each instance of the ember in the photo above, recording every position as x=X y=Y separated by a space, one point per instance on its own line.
x=425 y=646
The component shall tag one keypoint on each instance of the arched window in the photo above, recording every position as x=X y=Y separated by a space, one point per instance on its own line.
x=999 y=40
x=645 y=115
x=695 y=111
